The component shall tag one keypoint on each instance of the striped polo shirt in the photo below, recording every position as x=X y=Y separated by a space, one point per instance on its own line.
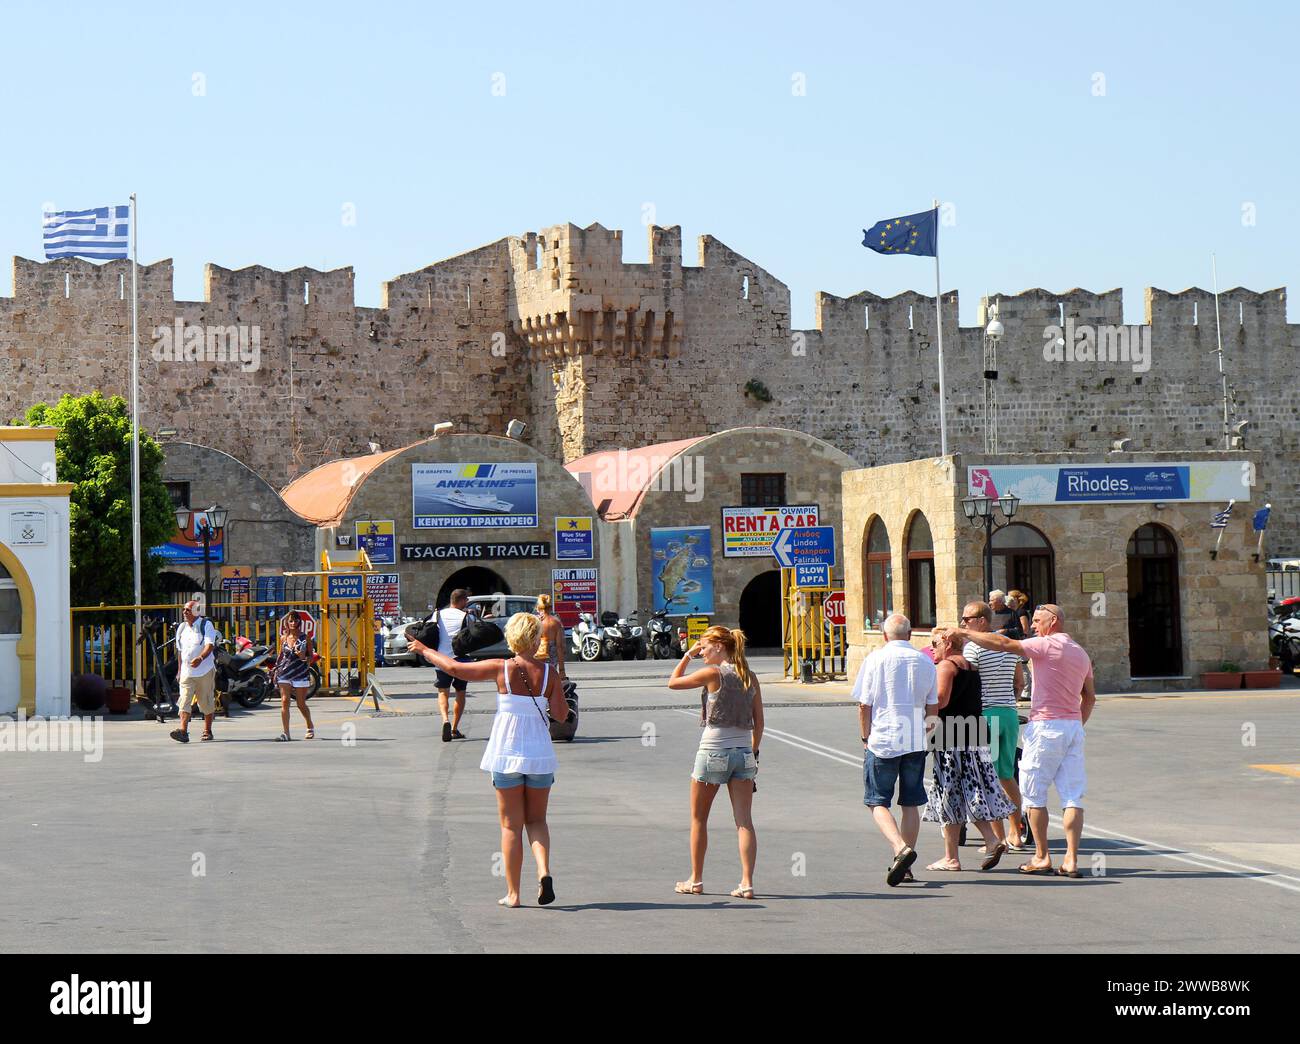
x=997 y=675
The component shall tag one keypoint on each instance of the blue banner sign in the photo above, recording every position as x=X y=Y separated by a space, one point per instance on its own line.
x=812 y=545
x=474 y=496
x=344 y=587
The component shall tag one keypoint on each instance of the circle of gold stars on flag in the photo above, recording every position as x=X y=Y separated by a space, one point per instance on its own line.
x=899 y=227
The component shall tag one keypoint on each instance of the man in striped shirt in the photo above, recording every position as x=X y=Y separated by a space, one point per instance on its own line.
x=1000 y=680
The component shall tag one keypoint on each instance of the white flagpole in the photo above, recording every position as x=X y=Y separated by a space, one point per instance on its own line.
x=135 y=438
x=1218 y=334
x=1219 y=539
x=938 y=321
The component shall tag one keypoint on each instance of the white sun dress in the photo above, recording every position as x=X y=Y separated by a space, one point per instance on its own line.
x=520 y=740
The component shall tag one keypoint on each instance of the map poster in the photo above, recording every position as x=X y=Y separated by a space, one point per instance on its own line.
x=681 y=569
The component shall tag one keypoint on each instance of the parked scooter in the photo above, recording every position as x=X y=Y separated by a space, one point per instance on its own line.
x=585 y=639
x=663 y=642
x=1284 y=634
x=622 y=637
x=243 y=675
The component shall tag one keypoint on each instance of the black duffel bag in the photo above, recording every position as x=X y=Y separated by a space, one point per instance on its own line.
x=423 y=631
x=475 y=634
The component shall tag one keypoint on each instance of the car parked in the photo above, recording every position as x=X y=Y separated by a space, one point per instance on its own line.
x=497 y=608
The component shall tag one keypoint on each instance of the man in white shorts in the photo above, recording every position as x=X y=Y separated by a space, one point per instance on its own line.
x=195 y=640
x=1062 y=701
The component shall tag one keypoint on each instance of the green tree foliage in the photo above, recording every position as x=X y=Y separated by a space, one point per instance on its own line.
x=93 y=451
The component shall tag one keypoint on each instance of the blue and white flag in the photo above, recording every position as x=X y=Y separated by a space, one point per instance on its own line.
x=101 y=234
x=1220 y=520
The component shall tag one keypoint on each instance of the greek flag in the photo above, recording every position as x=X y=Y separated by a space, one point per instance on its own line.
x=1220 y=520
x=101 y=234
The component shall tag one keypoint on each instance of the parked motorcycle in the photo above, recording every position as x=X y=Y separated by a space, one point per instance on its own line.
x=586 y=640
x=663 y=641
x=1284 y=634
x=622 y=637
x=244 y=675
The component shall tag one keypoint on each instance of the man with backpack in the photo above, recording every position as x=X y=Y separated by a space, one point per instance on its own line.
x=196 y=640
x=450 y=620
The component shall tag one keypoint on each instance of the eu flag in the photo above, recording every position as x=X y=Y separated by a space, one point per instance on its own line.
x=911 y=234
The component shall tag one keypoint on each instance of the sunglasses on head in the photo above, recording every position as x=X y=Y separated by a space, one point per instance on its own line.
x=1047 y=609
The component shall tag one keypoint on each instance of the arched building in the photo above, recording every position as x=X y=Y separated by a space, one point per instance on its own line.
x=1122 y=544
x=690 y=523
x=483 y=512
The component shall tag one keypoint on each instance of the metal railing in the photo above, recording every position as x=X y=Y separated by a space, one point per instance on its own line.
x=815 y=649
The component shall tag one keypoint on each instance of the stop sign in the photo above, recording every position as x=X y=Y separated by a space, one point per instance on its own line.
x=833 y=608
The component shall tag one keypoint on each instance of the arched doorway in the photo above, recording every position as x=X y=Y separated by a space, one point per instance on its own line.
x=477 y=580
x=1155 y=642
x=760 y=611
x=920 y=573
x=1023 y=561
x=17 y=635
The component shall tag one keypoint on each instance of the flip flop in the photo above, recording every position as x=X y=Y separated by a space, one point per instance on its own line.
x=1074 y=874
x=545 y=891
x=999 y=850
x=1037 y=871
x=899 y=867
x=457 y=734
x=944 y=869
x=508 y=905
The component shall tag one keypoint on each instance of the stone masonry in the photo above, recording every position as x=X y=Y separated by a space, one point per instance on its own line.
x=555 y=329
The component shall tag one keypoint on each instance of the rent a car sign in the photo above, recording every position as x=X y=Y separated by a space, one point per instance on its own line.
x=748 y=532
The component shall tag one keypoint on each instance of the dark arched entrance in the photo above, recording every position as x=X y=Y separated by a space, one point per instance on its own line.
x=1155 y=641
x=760 y=611
x=477 y=580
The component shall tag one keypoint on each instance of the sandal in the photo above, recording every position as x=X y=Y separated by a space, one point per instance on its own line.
x=1062 y=872
x=311 y=734
x=742 y=893
x=205 y=736
x=1038 y=871
x=689 y=887
x=545 y=891
x=999 y=850
x=282 y=738
x=457 y=734
x=938 y=866
x=901 y=864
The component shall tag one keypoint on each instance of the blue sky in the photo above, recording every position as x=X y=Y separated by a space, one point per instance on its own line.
x=689 y=108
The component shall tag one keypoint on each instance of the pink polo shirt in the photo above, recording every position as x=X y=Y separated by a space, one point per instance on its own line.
x=1060 y=669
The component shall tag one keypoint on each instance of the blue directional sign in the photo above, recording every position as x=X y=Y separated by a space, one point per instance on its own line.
x=814 y=576
x=345 y=587
x=809 y=545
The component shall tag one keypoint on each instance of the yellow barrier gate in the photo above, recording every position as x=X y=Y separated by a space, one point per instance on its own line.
x=104 y=637
x=814 y=649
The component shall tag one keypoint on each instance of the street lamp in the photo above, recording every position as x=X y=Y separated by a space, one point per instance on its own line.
x=979 y=512
x=214 y=519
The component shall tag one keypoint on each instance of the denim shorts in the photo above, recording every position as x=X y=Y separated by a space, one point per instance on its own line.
x=879 y=775
x=722 y=766
x=531 y=780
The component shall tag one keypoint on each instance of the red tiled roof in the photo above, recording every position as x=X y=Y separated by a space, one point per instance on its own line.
x=605 y=475
x=323 y=494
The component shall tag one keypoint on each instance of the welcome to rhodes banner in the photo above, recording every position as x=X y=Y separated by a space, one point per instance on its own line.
x=1203 y=481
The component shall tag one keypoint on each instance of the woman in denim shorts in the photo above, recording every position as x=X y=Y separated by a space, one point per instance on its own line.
x=731 y=715
x=519 y=753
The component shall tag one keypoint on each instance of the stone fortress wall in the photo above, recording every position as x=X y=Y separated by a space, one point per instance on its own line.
x=555 y=329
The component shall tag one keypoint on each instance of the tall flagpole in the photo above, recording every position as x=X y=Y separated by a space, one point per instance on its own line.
x=1218 y=335
x=135 y=438
x=938 y=322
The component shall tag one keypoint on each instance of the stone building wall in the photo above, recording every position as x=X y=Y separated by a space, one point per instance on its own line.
x=554 y=328
x=1221 y=600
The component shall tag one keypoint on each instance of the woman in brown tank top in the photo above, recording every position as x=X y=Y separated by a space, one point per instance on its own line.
x=731 y=716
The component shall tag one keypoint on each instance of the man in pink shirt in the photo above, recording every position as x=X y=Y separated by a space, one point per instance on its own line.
x=1061 y=703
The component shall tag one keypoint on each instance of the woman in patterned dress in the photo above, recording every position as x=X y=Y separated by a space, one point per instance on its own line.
x=964 y=784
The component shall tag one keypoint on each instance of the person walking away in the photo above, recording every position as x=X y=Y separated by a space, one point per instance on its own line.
x=1000 y=680
x=731 y=716
x=450 y=620
x=196 y=639
x=963 y=785
x=1062 y=701
x=895 y=689
x=552 y=647
x=519 y=753
x=292 y=674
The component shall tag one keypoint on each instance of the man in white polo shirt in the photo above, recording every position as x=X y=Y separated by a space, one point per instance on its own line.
x=196 y=639
x=1062 y=701
x=895 y=687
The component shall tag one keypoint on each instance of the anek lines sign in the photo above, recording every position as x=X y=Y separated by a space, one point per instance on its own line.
x=474 y=496
x=748 y=532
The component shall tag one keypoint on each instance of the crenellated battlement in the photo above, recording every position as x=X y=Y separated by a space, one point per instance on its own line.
x=553 y=327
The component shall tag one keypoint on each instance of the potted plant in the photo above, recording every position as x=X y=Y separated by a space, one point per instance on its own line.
x=1228 y=676
x=119 y=699
x=1268 y=679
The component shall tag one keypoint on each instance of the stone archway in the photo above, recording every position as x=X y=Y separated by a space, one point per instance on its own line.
x=477 y=580
x=26 y=645
x=760 y=610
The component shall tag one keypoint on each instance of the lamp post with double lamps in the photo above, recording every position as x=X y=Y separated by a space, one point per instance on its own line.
x=212 y=522
x=979 y=512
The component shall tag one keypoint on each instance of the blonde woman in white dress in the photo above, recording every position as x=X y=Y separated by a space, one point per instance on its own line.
x=519 y=753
